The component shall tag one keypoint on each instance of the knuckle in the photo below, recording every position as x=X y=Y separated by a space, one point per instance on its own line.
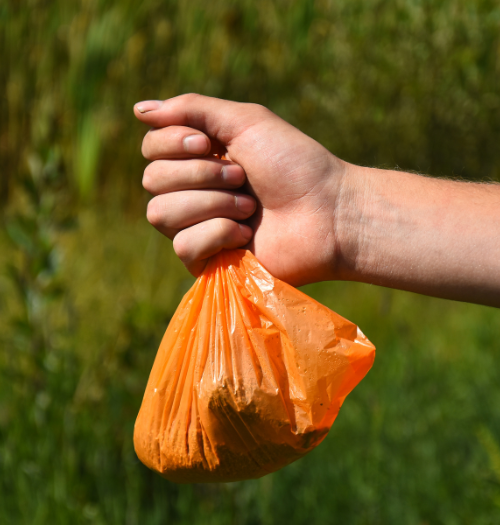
x=185 y=98
x=154 y=212
x=219 y=202
x=226 y=229
x=182 y=246
x=145 y=148
x=189 y=97
x=148 y=178
x=258 y=108
x=199 y=172
x=213 y=201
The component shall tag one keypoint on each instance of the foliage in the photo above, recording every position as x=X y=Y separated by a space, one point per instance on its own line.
x=407 y=82
x=406 y=447
x=87 y=287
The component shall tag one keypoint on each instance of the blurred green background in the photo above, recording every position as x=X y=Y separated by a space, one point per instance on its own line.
x=87 y=287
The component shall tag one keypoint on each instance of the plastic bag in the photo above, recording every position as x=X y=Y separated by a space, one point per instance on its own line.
x=249 y=377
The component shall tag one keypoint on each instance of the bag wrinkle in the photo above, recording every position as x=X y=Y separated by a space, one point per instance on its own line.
x=249 y=377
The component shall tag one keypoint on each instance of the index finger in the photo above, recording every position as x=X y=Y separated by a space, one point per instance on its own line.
x=177 y=142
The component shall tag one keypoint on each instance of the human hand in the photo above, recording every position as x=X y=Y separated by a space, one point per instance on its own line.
x=280 y=185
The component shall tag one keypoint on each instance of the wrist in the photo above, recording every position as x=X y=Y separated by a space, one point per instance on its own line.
x=350 y=199
x=430 y=236
x=377 y=215
x=374 y=218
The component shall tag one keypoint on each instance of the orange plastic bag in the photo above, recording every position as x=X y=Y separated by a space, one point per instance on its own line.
x=249 y=377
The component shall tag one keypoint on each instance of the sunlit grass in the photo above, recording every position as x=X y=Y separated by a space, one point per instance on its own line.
x=400 y=83
x=405 y=446
x=87 y=287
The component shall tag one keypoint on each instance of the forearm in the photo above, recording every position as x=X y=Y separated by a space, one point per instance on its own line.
x=430 y=236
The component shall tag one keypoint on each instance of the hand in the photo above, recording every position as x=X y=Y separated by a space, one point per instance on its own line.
x=307 y=215
x=292 y=192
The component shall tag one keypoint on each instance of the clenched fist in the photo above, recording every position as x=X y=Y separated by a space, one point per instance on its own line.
x=229 y=175
x=279 y=192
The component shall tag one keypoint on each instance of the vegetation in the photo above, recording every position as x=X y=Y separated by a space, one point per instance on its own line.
x=87 y=287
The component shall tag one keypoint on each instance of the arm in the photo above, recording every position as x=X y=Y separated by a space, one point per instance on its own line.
x=430 y=236
x=307 y=215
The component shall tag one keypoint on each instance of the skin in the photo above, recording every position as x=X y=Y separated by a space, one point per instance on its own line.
x=307 y=215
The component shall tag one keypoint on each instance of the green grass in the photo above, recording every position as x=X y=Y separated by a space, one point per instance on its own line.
x=87 y=287
x=408 y=83
x=409 y=444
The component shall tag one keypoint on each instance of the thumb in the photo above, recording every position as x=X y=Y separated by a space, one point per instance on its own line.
x=220 y=119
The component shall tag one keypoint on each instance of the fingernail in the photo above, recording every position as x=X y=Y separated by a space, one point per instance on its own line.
x=196 y=144
x=245 y=204
x=232 y=174
x=246 y=231
x=148 y=105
